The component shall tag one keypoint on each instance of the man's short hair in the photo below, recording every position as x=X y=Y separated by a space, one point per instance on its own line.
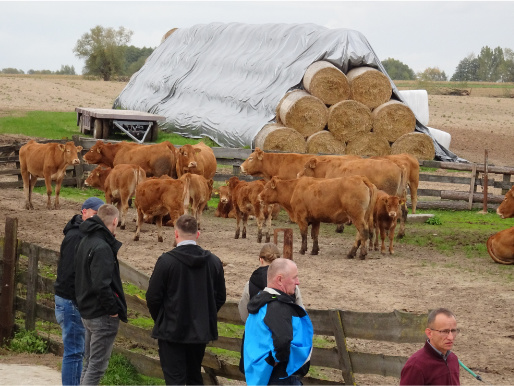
x=108 y=213
x=277 y=267
x=433 y=314
x=186 y=224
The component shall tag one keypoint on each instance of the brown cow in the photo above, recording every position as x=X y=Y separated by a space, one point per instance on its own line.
x=246 y=202
x=156 y=160
x=501 y=246
x=411 y=165
x=196 y=159
x=118 y=183
x=49 y=161
x=506 y=208
x=281 y=165
x=200 y=191
x=156 y=197
x=331 y=200
x=225 y=207
x=385 y=217
x=384 y=174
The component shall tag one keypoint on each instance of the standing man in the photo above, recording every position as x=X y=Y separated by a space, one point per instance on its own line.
x=185 y=292
x=435 y=364
x=66 y=311
x=99 y=290
x=278 y=332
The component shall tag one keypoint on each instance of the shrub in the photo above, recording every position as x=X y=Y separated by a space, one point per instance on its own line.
x=28 y=341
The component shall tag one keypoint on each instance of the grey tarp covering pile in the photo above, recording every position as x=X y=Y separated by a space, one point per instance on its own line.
x=224 y=81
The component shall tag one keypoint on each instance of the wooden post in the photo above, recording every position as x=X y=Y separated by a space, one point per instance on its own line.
x=472 y=186
x=287 y=252
x=8 y=293
x=32 y=272
x=236 y=170
x=345 y=363
x=486 y=182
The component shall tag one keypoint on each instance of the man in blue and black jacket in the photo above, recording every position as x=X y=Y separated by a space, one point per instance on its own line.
x=278 y=332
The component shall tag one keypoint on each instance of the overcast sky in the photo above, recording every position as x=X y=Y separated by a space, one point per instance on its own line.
x=41 y=35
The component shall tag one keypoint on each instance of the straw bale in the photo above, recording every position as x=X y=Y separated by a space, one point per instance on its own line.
x=349 y=119
x=324 y=142
x=167 y=34
x=303 y=112
x=369 y=145
x=419 y=145
x=327 y=82
x=393 y=119
x=275 y=136
x=369 y=86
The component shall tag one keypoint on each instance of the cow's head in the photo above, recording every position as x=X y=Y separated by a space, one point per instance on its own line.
x=186 y=158
x=97 y=177
x=506 y=208
x=224 y=194
x=232 y=183
x=253 y=164
x=392 y=206
x=70 y=152
x=269 y=193
x=308 y=168
x=95 y=154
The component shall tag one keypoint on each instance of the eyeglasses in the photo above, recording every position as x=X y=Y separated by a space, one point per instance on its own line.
x=454 y=331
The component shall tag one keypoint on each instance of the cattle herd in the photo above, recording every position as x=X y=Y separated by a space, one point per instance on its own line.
x=165 y=181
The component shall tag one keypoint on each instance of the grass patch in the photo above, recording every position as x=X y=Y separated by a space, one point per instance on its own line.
x=231 y=330
x=122 y=372
x=142 y=322
x=131 y=289
x=28 y=341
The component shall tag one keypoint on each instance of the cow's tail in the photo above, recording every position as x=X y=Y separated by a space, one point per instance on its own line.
x=368 y=215
x=187 y=194
x=491 y=252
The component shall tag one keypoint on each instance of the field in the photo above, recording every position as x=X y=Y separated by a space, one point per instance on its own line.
x=416 y=278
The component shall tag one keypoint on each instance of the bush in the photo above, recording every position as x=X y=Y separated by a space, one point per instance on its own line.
x=28 y=341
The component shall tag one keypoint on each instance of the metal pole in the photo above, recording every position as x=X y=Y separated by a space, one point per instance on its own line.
x=486 y=182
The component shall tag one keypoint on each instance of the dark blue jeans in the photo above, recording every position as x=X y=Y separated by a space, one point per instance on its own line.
x=100 y=335
x=73 y=332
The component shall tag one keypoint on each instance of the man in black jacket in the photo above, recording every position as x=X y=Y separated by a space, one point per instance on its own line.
x=66 y=311
x=185 y=292
x=99 y=290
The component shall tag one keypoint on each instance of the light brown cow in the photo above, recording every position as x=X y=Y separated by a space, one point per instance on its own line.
x=506 y=208
x=411 y=165
x=385 y=217
x=118 y=183
x=156 y=197
x=331 y=200
x=384 y=174
x=246 y=202
x=196 y=159
x=225 y=207
x=48 y=161
x=501 y=246
x=200 y=191
x=281 y=165
x=156 y=160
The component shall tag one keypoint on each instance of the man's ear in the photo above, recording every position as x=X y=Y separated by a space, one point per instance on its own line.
x=197 y=234
x=176 y=233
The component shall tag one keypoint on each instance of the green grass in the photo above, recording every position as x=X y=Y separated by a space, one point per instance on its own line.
x=121 y=372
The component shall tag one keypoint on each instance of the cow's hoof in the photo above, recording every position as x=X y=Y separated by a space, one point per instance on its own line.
x=159 y=239
x=302 y=252
x=268 y=238
x=362 y=257
x=259 y=239
x=350 y=256
x=136 y=238
x=314 y=252
x=122 y=226
x=400 y=236
x=236 y=236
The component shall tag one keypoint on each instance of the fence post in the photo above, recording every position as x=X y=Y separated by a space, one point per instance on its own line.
x=344 y=358
x=8 y=293
x=486 y=181
x=287 y=252
x=472 y=186
x=32 y=278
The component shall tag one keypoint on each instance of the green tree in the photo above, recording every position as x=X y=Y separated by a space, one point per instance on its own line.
x=398 y=70
x=135 y=59
x=104 y=51
x=11 y=71
x=507 y=69
x=432 y=74
x=490 y=63
x=66 y=70
x=467 y=70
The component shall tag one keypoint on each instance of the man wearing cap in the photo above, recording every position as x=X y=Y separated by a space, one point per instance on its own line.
x=66 y=311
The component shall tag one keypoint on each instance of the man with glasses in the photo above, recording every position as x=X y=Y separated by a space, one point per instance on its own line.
x=435 y=364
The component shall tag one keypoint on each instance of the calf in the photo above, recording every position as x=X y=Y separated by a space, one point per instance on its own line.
x=200 y=191
x=506 y=208
x=501 y=246
x=156 y=197
x=196 y=159
x=385 y=217
x=245 y=198
x=48 y=161
x=119 y=184
x=225 y=207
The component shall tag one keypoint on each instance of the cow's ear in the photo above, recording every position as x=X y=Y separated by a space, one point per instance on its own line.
x=312 y=163
x=259 y=153
x=62 y=147
x=98 y=150
x=79 y=148
x=198 y=150
x=402 y=201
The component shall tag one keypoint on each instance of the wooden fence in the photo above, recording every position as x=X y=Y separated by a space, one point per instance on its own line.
x=464 y=183
x=334 y=363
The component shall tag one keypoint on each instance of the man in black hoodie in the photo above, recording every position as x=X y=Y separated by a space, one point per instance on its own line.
x=66 y=311
x=185 y=292
x=99 y=290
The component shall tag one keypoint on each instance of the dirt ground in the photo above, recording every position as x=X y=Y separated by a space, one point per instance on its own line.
x=415 y=279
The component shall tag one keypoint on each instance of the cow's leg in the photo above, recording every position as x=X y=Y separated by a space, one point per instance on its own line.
x=413 y=197
x=199 y=214
x=303 y=231
x=314 y=236
x=27 y=180
x=403 y=219
x=382 y=238
x=260 y=220
x=123 y=208
x=391 y=238
x=340 y=228
x=140 y=220
x=361 y=240
x=48 y=184
x=158 y=222
x=268 y=221
x=238 y=222
x=245 y=223
x=32 y=183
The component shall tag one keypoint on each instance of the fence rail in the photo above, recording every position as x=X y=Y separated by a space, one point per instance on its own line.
x=397 y=326
x=462 y=192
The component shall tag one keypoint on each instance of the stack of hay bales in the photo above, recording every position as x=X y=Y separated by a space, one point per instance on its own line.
x=339 y=113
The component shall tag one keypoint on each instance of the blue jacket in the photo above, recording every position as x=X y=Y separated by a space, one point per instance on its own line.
x=278 y=338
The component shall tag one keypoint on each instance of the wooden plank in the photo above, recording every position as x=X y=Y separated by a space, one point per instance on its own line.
x=470 y=198
x=229 y=313
x=506 y=181
x=42 y=312
x=32 y=273
x=120 y=114
x=387 y=366
x=472 y=188
x=137 y=334
x=133 y=276
x=8 y=290
x=345 y=363
x=44 y=284
x=232 y=344
x=444 y=179
x=39 y=182
x=151 y=367
x=429 y=193
x=451 y=205
x=46 y=255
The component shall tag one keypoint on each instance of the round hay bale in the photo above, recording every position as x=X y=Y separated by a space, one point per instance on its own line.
x=369 y=86
x=167 y=34
x=326 y=82
x=369 y=145
x=393 y=119
x=275 y=136
x=303 y=112
x=324 y=142
x=349 y=119
x=419 y=145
